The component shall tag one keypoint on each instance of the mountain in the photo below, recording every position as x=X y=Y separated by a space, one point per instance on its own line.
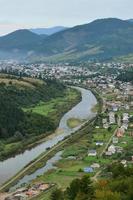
x=18 y=44
x=48 y=31
x=99 y=40
x=20 y=39
x=130 y=20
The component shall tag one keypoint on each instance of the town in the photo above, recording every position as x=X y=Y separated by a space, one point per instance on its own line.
x=111 y=138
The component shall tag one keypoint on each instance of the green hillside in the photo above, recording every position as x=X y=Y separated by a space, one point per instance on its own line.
x=30 y=109
x=101 y=39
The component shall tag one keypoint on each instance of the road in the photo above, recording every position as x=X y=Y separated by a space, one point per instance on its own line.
x=108 y=143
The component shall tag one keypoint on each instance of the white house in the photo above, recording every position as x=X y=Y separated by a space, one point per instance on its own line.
x=92 y=153
x=112 y=149
x=115 y=140
x=95 y=165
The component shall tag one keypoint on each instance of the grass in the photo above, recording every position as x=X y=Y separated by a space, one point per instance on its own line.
x=73 y=122
x=48 y=108
x=68 y=169
x=19 y=83
x=74 y=150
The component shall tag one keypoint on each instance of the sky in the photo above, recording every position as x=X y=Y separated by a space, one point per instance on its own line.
x=20 y=14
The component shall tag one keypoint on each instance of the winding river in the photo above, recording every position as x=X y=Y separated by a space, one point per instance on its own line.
x=83 y=111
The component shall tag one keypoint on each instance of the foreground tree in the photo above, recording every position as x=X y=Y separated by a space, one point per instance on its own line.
x=57 y=195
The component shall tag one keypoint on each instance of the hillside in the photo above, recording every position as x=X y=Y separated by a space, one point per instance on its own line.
x=22 y=39
x=101 y=39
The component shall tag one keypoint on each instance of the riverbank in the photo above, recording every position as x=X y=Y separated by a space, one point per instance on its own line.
x=91 y=99
x=55 y=110
x=41 y=160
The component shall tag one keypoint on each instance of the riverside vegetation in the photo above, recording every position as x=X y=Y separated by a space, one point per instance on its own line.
x=30 y=110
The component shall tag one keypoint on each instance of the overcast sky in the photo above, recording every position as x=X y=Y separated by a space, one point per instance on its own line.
x=16 y=14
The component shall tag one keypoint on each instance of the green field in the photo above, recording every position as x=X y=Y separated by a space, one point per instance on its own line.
x=50 y=107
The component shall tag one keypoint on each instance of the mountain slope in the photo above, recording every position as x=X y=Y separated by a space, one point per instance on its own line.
x=103 y=38
x=48 y=31
x=20 y=39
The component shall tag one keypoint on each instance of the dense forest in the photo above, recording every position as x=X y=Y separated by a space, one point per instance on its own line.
x=126 y=76
x=118 y=187
x=17 y=93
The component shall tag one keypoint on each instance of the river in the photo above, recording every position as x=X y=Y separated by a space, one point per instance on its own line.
x=82 y=110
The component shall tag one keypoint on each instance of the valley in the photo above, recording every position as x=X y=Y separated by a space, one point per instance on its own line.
x=81 y=147
x=66 y=100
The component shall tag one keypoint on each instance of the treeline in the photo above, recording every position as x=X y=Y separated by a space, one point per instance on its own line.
x=26 y=96
x=126 y=76
x=117 y=187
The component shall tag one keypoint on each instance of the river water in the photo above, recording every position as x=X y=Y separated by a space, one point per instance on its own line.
x=83 y=111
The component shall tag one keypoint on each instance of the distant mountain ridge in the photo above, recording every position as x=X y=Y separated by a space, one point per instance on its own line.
x=101 y=39
x=48 y=31
x=130 y=20
x=22 y=39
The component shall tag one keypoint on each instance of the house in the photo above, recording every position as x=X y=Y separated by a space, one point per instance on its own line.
x=115 y=140
x=124 y=162
x=21 y=196
x=97 y=127
x=125 y=118
x=99 y=143
x=111 y=118
x=95 y=165
x=92 y=153
x=114 y=108
x=43 y=187
x=124 y=126
x=120 y=132
x=119 y=149
x=88 y=170
x=108 y=153
x=105 y=123
x=112 y=149
x=106 y=126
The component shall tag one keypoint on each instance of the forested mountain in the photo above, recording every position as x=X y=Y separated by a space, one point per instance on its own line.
x=101 y=39
x=20 y=39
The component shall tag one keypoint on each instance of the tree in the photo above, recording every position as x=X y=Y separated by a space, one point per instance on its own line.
x=57 y=195
x=82 y=196
x=86 y=186
x=73 y=189
x=107 y=195
x=80 y=187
